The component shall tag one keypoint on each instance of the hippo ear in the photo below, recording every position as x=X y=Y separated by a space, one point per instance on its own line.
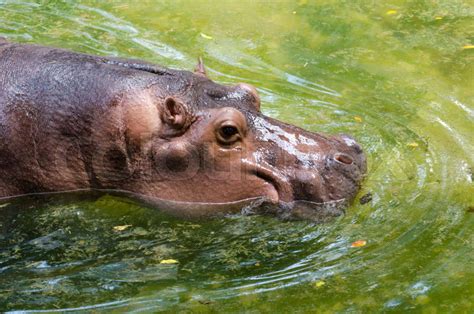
x=175 y=116
x=200 y=69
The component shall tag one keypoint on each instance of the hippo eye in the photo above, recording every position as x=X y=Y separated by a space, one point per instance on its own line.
x=229 y=131
x=228 y=134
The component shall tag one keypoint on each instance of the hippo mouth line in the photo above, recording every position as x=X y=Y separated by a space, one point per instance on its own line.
x=281 y=185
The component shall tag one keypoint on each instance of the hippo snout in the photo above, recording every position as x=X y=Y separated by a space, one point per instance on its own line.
x=338 y=178
x=317 y=167
x=344 y=170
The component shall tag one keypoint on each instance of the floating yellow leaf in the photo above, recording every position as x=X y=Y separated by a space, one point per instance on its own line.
x=319 y=283
x=358 y=119
x=206 y=36
x=391 y=12
x=414 y=144
x=468 y=47
x=438 y=18
x=121 y=228
x=257 y=264
x=169 y=261
x=358 y=243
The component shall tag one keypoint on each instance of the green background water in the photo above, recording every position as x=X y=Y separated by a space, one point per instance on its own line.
x=397 y=75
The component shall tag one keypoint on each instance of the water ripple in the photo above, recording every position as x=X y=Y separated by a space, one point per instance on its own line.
x=417 y=225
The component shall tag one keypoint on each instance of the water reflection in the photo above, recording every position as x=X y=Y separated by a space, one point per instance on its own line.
x=399 y=82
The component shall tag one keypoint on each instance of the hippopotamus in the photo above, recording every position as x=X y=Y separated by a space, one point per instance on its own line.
x=171 y=138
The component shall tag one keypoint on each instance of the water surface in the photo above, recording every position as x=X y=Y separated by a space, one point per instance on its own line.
x=397 y=76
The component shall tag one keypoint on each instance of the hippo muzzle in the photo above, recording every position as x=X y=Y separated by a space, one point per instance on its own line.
x=307 y=168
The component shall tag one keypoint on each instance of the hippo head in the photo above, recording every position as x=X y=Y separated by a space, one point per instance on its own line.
x=214 y=151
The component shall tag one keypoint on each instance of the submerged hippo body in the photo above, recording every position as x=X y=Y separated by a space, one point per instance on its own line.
x=71 y=121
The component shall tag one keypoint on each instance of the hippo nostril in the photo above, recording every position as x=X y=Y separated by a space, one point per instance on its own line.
x=343 y=158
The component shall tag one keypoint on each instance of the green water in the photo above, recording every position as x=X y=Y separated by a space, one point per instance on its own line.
x=396 y=75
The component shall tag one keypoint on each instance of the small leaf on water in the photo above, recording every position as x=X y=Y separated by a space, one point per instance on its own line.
x=468 y=47
x=438 y=18
x=319 y=283
x=169 y=261
x=257 y=264
x=121 y=228
x=358 y=243
x=413 y=144
x=4 y=205
x=358 y=119
x=391 y=12
x=206 y=36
